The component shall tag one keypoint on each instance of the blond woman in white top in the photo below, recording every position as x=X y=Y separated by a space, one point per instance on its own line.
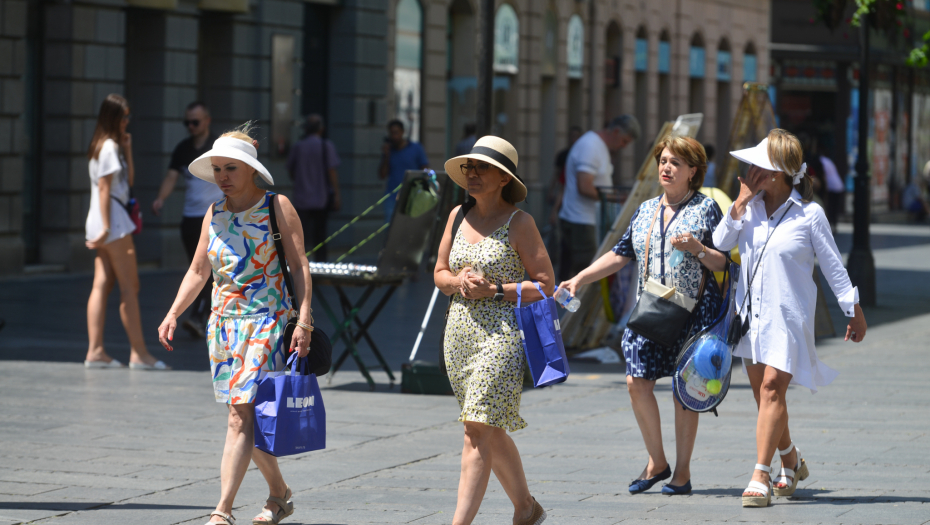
x=775 y=205
x=108 y=230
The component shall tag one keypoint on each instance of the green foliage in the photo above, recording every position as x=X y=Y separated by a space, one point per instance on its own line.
x=919 y=55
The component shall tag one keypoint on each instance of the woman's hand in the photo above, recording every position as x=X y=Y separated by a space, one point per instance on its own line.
x=301 y=342
x=857 y=327
x=166 y=331
x=126 y=141
x=461 y=279
x=571 y=285
x=477 y=287
x=98 y=242
x=687 y=243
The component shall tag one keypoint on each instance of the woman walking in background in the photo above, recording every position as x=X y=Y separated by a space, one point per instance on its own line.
x=251 y=306
x=482 y=265
x=108 y=230
x=680 y=220
x=779 y=231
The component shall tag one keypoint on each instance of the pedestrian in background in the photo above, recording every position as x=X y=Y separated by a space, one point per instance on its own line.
x=397 y=156
x=312 y=164
x=251 y=306
x=710 y=179
x=588 y=166
x=108 y=230
x=779 y=231
x=682 y=219
x=199 y=195
x=557 y=186
x=468 y=140
x=836 y=191
x=482 y=267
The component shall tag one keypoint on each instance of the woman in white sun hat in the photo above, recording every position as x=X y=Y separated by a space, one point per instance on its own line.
x=779 y=231
x=250 y=306
x=482 y=265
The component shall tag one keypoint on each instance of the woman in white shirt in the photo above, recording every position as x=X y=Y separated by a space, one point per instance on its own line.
x=109 y=231
x=779 y=231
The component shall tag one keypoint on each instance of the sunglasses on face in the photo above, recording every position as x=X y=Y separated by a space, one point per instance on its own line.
x=191 y=123
x=480 y=168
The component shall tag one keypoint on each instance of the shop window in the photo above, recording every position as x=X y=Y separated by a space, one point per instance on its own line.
x=408 y=59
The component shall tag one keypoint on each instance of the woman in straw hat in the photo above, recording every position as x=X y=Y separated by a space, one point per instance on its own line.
x=250 y=306
x=481 y=265
x=677 y=225
x=779 y=231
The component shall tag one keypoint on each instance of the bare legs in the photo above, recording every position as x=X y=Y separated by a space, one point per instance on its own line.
x=646 y=410
x=116 y=262
x=489 y=448
x=239 y=450
x=769 y=386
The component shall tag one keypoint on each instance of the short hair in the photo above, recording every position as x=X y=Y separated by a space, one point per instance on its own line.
x=627 y=124
x=313 y=124
x=688 y=150
x=198 y=104
x=710 y=151
x=395 y=122
x=470 y=129
x=787 y=154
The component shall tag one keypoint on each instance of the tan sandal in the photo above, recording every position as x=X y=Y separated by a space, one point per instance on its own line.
x=538 y=516
x=285 y=509
x=799 y=473
x=227 y=518
x=754 y=486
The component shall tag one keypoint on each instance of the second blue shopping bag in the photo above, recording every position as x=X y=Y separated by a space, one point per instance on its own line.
x=289 y=413
x=541 y=335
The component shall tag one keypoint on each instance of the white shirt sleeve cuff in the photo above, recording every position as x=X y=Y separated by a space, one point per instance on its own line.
x=730 y=222
x=848 y=302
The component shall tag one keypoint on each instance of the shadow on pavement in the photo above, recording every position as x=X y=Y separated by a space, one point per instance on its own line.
x=77 y=505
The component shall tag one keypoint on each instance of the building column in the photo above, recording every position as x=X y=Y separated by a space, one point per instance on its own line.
x=13 y=23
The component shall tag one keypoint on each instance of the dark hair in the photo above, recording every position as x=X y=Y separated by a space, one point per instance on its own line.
x=508 y=190
x=395 y=122
x=690 y=151
x=709 y=150
x=313 y=124
x=112 y=111
x=627 y=124
x=198 y=104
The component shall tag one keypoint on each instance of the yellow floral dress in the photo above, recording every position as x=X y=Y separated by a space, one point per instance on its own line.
x=484 y=355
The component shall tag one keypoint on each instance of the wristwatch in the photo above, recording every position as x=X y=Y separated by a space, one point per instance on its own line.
x=499 y=296
x=703 y=252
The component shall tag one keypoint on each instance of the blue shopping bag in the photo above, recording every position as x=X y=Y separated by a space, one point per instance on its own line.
x=542 y=339
x=289 y=413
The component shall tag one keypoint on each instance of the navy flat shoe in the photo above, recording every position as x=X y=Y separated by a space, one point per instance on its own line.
x=672 y=490
x=642 y=485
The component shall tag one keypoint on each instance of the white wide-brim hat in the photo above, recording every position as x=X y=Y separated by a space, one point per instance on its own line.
x=757 y=155
x=495 y=151
x=232 y=148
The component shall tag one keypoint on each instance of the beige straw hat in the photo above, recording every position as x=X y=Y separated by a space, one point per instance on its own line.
x=495 y=151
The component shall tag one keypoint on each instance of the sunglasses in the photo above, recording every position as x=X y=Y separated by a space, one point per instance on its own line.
x=191 y=123
x=480 y=168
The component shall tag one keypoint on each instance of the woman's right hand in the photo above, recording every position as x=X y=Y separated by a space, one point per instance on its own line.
x=572 y=284
x=101 y=239
x=166 y=331
x=461 y=281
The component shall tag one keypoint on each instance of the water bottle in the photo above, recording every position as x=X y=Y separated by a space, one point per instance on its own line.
x=564 y=298
x=676 y=258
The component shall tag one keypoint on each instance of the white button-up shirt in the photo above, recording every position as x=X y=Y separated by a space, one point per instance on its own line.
x=783 y=295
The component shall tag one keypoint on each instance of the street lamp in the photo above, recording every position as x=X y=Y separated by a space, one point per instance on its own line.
x=861 y=263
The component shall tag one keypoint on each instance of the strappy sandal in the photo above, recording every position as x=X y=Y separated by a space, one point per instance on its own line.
x=285 y=509
x=799 y=473
x=227 y=518
x=755 y=486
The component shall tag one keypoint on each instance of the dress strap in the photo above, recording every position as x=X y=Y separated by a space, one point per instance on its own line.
x=511 y=217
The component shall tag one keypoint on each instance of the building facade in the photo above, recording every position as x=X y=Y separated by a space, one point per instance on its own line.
x=359 y=63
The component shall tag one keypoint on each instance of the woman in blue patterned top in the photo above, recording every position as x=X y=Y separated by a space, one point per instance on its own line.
x=682 y=219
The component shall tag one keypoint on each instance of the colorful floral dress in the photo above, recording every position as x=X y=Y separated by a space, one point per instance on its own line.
x=699 y=217
x=484 y=355
x=250 y=306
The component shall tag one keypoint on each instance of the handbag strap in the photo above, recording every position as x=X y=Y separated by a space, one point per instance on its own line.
x=761 y=252
x=649 y=243
x=456 y=224
x=279 y=246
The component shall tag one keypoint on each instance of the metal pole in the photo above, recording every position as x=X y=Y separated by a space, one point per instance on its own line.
x=861 y=264
x=485 y=68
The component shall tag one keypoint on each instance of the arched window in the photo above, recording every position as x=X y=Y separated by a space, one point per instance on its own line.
x=506 y=65
x=575 y=52
x=750 y=65
x=641 y=89
x=461 y=70
x=724 y=104
x=408 y=63
x=696 y=64
x=665 y=82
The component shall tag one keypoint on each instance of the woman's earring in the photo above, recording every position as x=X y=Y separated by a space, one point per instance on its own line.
x=773 y=179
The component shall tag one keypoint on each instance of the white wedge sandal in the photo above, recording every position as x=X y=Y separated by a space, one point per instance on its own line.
x=799 y=473
x=227 y=518
x=755 y=486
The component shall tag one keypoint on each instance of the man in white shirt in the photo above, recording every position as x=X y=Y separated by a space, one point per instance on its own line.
x=587 y=167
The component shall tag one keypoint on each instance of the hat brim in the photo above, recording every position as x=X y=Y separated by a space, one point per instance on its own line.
x=757 y=155
x=202 y=167
x=454 y=171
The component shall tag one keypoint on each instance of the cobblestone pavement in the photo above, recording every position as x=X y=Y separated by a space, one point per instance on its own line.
x=121 y=446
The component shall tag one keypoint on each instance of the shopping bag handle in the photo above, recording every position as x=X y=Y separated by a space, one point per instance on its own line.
x=293 y=361
x=520 y=292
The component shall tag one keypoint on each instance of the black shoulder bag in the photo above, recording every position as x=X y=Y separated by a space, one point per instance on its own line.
x=320 y=350
x=456 y=224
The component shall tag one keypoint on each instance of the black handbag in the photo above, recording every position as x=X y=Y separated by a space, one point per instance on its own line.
x=456 y=223
x=320 y=351
x=656 y=318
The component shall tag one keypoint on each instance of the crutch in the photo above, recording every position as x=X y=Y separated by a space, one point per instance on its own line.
x=429 y=311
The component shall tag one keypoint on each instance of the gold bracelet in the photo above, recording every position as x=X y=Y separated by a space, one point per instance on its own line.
x=305 y=326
